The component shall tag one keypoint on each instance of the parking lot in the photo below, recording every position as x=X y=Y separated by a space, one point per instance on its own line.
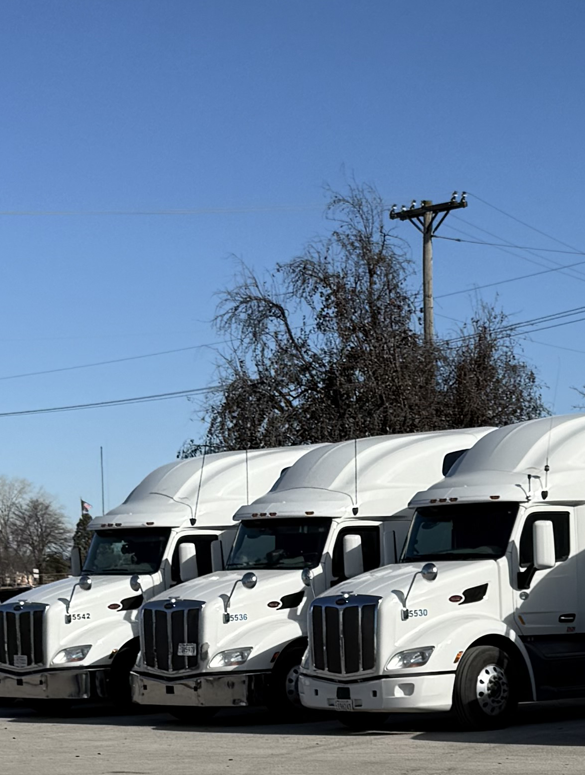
x=90 y=741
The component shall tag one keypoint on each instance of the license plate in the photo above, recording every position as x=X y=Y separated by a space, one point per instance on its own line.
x=20 y=661
x=343 y=705
x=187 y=650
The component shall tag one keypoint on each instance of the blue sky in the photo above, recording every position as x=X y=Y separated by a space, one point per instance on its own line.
x=241 y=112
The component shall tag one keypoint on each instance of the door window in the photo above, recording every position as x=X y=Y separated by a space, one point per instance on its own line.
x=203 y=549
x=560 y=520
x=370 y=548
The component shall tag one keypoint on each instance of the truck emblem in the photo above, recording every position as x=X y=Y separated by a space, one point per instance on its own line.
x=455 y=598
x=273 y=604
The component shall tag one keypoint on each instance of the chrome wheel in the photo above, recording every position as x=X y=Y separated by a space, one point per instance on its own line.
x=492 y=690
x=292 y=686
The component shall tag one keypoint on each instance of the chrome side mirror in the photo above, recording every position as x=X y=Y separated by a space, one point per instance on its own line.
x=429 y=571
x=135 y=583
x=307 y=576
x=85 y=583
x=249 y=580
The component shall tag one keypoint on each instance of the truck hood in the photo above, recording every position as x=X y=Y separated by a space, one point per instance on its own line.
x=453 y=578
x=271 y=584
x=105 y=590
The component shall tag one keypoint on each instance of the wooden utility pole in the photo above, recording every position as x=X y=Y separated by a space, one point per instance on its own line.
x=423 y=218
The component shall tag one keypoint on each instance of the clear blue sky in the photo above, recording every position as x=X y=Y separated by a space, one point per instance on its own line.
x=243 y=108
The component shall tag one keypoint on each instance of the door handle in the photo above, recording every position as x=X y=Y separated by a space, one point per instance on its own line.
x=567 y=618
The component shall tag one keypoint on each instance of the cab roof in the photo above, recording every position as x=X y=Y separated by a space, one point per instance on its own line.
x=207 y=489
x=509 y=464
x=377 y=475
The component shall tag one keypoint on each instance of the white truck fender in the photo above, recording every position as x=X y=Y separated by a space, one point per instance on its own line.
x=452 y=637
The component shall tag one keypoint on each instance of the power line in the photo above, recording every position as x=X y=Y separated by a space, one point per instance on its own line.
x=512 y=329
x=106 y=363
x=116 y=402
x=185 y=211
x=510 y=244
x=510 y=280
x=516 y=247
x=528 y=225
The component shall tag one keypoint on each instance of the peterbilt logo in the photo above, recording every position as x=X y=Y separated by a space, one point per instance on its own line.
x=343 y=600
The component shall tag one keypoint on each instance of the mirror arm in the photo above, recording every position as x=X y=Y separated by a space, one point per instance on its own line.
x=526 y=576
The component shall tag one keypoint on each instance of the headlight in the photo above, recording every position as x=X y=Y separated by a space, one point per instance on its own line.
x=230 y=657
x=306 y=657
x=73 y=654
x=411 y=658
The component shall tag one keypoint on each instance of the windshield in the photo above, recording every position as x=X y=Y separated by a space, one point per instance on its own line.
x=126 y=551
x=279 y=543
x=462 y=532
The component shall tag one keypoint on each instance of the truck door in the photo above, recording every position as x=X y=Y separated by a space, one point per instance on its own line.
x=370 y=535
x=203 y=547
x=546 y=611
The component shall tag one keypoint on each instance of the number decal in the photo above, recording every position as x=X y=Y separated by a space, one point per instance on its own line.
x=75 y=617
x=414 y=612
x=238 y=617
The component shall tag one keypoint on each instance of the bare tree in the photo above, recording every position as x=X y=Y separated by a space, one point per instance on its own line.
x=34 y=532
x=329 y=347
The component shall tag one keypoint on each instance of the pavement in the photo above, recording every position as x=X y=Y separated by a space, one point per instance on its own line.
x=99 y=741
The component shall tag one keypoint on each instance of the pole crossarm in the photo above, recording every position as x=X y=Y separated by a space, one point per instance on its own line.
x=423 y=218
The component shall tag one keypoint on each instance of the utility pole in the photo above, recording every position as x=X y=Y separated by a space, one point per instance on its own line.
x=423 y=218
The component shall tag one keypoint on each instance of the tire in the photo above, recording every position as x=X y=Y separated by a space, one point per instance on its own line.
x=485 y=693
x=118 y=681
x=361 y=722
x=284 y=696
x=195 y=716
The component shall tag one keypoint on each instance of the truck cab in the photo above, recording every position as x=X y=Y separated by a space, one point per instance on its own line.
x=236 y=638
x=483 y=610
x=77 y=639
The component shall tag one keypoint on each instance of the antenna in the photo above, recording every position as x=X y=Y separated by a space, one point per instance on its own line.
x=247 y=480
x=544 y=493
x=355 y=468
x=200 y=481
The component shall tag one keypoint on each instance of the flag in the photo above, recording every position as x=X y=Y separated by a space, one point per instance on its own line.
x=85 y=507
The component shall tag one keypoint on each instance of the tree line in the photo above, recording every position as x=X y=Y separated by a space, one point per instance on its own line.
x=34 y=533
x=328 y=346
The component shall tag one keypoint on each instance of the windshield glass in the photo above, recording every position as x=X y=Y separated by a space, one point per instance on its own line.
x=462 y=532
x=126 y=551
x=279 y=543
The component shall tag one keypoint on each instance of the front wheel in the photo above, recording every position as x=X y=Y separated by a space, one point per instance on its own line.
x=284 y=695
x=484 y=696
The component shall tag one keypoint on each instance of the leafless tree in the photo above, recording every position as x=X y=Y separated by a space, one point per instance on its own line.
x=328 y=347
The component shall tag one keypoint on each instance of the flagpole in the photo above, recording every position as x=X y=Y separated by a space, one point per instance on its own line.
x=102 y=472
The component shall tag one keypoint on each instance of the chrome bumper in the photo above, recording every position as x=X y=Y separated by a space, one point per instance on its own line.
x=63 y=684
x=219 y=691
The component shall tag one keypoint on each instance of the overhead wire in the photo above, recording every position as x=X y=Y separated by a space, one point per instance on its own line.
x=115 y=402
x=108 y=362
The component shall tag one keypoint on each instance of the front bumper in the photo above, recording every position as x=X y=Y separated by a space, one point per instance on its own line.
x=395 y=694
x=57 y=684
x=219 y=691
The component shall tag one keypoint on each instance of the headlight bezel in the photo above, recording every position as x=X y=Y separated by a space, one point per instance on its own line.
x=407 y=659
x=64 y=657
x=229 y=657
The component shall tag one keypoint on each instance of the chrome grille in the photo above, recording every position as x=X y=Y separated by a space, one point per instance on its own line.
x=21 y=635
x=343 y=633
x=170 y=635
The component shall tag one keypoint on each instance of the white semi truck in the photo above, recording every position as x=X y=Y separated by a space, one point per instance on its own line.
x=77 y=639
x=485 y=608
x=236 y=637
